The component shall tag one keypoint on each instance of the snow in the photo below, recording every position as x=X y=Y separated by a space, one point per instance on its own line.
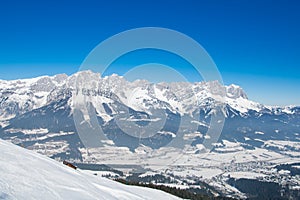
x=205 y=173
x=29 y=131
x=50 y=148
x=243 y=105
x=167 y=133
x=284 y=172
x=287 y=110
x=148 y=173
x=189 y=136
x=249 y=175
x=228 y=147
x=283 y=145
x=27 y=175
x=296 y=187
x=259 y=133
x=296 y=166
x=200 y=123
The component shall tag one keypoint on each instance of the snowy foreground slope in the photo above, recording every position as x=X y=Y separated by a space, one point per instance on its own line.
x=27 y=175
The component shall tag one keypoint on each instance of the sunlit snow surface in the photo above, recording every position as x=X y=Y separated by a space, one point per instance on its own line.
x=28 y=175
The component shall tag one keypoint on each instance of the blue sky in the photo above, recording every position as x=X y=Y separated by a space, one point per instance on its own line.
x=255 y=44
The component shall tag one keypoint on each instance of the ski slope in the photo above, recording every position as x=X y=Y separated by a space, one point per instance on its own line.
x=25 y=175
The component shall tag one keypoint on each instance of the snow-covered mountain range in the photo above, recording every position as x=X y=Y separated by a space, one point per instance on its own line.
x=41 y=114
x=21 y=96
x=43 y=108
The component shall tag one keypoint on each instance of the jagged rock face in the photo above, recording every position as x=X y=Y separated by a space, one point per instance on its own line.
x=44 y=105
x=20 y=96
x=235 y=92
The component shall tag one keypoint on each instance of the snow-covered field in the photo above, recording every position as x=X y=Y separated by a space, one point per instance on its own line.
x=25 y=175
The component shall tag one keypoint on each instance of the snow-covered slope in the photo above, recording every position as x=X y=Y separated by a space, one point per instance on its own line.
x=25 y=175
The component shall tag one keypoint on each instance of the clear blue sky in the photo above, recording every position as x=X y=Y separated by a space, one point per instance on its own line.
x=255 y=44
